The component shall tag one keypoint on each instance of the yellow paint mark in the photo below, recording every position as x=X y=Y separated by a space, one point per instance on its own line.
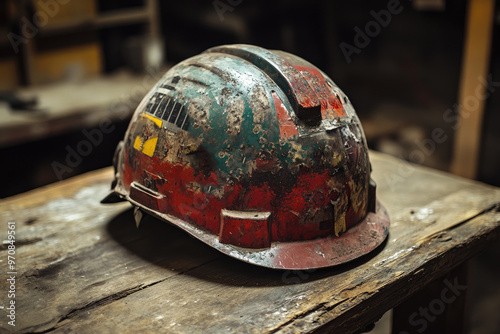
x=340 y=212
x=190 y=149
x=157 y=121
x=357 y=196
x=340 y=225
x=149 y=146
x=337 y=159
x=138 y=143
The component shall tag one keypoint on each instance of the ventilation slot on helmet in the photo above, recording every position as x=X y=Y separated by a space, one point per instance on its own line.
x=164 y=107
x=302 y=97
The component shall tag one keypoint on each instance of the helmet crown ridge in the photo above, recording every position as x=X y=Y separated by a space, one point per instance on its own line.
x=256 y=153
x=304 y=101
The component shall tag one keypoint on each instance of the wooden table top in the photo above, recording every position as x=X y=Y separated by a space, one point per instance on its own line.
x=84 y=267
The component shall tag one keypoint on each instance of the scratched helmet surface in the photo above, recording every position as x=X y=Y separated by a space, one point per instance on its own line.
x=257 y=153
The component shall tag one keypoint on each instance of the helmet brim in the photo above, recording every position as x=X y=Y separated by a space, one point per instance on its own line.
x=329 y=251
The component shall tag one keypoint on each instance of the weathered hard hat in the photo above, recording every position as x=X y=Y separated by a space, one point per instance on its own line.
x=257 y=153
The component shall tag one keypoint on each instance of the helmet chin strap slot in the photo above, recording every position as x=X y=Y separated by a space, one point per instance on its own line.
x=247 y=229
x=372 y=197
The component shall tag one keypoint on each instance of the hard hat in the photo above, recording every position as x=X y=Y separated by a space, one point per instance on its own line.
x=257 y=153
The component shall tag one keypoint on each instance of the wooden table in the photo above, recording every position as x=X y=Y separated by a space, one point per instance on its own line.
x=83 y=267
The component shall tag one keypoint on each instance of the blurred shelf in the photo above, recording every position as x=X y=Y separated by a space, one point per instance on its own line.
x=56 y=47
x=103 y=20
x=72 y=106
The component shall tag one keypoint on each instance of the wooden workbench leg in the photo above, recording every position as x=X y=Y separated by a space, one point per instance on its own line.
x=473 y=91
x=438 y=308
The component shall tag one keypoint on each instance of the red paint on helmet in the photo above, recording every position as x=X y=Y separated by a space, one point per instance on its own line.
x=309 y=194
x=331 y=105
x=288 y=127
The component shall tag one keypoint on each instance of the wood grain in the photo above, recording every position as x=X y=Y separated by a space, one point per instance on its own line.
x=84 y=267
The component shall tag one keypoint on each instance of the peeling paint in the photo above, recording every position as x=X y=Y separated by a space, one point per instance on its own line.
x=240 y=132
